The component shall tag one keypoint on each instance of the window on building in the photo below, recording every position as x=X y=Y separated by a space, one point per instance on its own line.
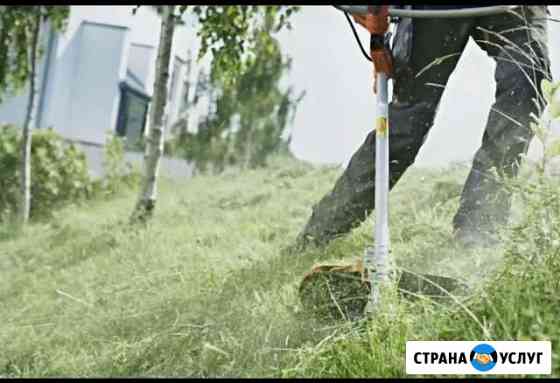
x=133 y=112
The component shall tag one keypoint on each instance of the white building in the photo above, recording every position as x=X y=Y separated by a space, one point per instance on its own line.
x=97 y=76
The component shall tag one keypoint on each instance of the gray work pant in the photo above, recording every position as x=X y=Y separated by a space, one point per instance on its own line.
x=517 y=43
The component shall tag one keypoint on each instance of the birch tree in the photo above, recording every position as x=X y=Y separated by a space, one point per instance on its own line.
x=154 y=142
x=30 y=117
x=223 y=31
x=20 y=36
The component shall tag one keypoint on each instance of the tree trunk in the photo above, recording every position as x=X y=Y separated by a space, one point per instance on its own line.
x=30 y=117
x=186 y=104
x=249 y=143
x=154 y=143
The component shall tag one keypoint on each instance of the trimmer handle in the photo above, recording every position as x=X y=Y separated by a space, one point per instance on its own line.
x=432 y=13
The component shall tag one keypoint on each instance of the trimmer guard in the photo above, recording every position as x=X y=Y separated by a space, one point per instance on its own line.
x=338 y=291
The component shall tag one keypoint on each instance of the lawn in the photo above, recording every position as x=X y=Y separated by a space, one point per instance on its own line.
x=209 y=287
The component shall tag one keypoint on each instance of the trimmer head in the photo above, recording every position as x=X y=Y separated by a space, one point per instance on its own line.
x=341 y=291
x=335 y=291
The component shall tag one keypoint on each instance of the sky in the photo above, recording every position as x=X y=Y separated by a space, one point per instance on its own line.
x=339 y=107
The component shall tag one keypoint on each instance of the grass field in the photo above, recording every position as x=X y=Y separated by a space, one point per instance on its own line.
x=209 y=287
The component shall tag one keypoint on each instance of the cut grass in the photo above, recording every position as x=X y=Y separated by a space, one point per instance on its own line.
x=209 y=287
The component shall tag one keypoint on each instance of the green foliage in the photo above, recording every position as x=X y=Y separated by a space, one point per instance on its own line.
x=248 y=119
x=16 y=33
x=113 y=160
x=228 y=32
x=118 y=174
x=242 y=50
x=59 y=171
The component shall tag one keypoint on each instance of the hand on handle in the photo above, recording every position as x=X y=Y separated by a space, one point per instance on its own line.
x=376 y=21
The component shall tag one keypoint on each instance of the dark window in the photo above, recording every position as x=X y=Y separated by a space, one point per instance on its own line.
x=133 y=111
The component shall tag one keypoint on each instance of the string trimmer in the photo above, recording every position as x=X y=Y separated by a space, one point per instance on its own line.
x=349 y=291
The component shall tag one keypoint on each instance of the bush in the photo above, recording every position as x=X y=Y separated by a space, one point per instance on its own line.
x=118 y=174
x=59 y=171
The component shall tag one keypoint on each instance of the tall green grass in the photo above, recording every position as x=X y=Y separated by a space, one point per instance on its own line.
x=514 y=296
x=209 y=287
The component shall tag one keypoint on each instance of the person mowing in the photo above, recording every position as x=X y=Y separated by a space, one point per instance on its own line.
x=425 y=53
